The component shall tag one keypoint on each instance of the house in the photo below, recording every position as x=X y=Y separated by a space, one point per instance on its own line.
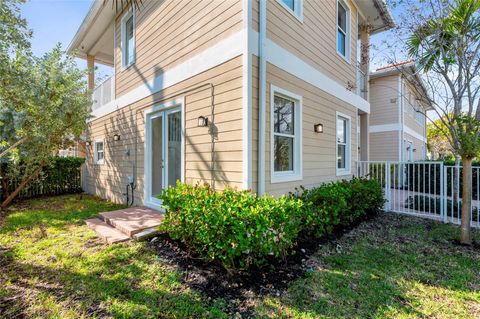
x=261 y=95
x=398 y=101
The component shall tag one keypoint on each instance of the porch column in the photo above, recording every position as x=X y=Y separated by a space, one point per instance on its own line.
x=364 y=136
x=365 y=30
x=91 y=72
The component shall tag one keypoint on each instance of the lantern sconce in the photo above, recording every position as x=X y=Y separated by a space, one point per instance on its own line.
x=202 y=121
x=414 y=150
x=116 y=137
x=88 y=143
x=318 y=128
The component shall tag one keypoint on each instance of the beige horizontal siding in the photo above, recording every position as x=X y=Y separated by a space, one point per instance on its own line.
x=171 y=31
x=314 y=40
x=109 y=180
x=384 y=146
x=384 y=100
x=319 y=162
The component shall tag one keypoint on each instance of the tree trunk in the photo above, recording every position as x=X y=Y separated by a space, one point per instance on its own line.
x=19 y=188
x=465 y=235
x=456 y=180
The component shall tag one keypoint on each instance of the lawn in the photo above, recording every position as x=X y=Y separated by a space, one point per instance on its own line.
x=53 y=266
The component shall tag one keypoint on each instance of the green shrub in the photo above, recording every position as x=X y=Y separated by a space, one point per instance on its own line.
x=235 y=227
x=339 y=204
x=240 y=229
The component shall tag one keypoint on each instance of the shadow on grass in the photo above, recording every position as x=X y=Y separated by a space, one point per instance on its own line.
x=389 y=267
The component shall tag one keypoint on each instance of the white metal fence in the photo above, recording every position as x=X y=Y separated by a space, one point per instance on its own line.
x=426 y=189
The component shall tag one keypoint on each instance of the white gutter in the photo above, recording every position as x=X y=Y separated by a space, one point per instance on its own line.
x=262 y=86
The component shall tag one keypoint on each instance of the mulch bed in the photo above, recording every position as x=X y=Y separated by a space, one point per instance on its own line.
x=240 y=287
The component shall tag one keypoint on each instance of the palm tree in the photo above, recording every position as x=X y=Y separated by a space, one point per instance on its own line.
x=120 y=4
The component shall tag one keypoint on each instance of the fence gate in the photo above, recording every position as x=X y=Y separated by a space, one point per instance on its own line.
x=425 y=189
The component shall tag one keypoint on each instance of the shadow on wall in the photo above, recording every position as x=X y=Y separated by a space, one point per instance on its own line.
x=125 y=157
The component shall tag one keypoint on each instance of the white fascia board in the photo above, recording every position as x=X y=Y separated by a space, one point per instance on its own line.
x=220 y=53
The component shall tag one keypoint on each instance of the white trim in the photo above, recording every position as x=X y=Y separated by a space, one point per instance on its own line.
x=262 y=91
x=297 y=11
x=95 y=155
x=348 y=35
x=123 y=34
x=176 y=105
x=209 y=58
x=246 y=98
x=297 y=173
x=292 y=64
x=348 y=151
x=400 y=117
x=397 y=127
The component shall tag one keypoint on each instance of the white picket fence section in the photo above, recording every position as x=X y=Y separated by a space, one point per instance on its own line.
x=425 y=189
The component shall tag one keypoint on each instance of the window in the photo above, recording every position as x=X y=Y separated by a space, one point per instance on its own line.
x=343 y=144
x=128 y=39
x=286 y=136
x=99 y=153
x=293 y=6
x=343 y=30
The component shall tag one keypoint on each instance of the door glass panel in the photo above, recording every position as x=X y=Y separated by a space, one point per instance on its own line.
x=157 y=156
x=174 y=148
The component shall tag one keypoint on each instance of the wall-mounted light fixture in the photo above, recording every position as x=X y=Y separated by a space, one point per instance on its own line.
x=116 y=137
x=318 y=128
x=202 y=121
x=88 y=143
x=414 y=150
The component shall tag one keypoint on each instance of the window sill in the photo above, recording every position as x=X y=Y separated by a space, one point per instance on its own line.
x=343 y=172
x=99 y=163
x=285 y=177
x=128 y=66
x=344 y=58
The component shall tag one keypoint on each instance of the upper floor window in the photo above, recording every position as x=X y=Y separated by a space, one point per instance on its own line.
x=294 y=6
x=128 y=39
x=343 y=144
x=343 y=29
x=286 y=136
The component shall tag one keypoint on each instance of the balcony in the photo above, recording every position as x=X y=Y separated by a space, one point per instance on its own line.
x=361 y=83
x=103 y=93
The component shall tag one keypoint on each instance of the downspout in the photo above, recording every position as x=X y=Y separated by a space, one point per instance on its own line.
x=262 y=86
x=400 y=118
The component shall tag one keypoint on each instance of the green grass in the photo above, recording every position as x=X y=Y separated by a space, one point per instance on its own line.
x=53 y=266
x=392 y=267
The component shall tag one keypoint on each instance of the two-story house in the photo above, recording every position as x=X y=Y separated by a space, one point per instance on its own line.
x=398 y=106
x=261 y=95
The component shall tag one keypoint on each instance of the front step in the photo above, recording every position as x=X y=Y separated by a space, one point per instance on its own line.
x=106 y=232
x=133 y=220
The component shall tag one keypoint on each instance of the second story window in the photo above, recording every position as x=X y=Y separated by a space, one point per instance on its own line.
x=128 y=39
x=294 y=6
x=343 y=30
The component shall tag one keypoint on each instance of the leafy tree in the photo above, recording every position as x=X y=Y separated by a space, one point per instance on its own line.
x=437 y=142
x=443 y=36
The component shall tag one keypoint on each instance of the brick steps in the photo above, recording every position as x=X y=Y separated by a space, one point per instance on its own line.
x=124 y=224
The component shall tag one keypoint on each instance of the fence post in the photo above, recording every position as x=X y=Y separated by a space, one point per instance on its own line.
x=443 y=192
x=387 y=187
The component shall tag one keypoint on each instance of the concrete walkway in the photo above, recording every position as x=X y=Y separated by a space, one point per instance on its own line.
x=124 y=224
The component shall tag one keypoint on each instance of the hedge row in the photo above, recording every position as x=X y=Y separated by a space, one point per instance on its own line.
x=241 y=229
x=61 y=176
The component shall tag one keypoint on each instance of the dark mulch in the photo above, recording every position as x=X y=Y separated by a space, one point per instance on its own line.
x=240 y=286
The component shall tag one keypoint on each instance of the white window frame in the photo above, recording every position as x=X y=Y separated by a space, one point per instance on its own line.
x=297 y=11
x=95 y=153
x=348 y=150
x=348 y=33
x=126 y=16
x=297 y=173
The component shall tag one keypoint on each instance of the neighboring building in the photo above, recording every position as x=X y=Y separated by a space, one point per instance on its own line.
x=196 y=85
x=398 y=107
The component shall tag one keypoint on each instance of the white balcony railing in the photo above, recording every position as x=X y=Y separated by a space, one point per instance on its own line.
x=104 y=93
x=361 y=83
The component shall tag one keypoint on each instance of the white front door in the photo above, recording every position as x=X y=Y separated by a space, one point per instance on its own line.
x=163 y=153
